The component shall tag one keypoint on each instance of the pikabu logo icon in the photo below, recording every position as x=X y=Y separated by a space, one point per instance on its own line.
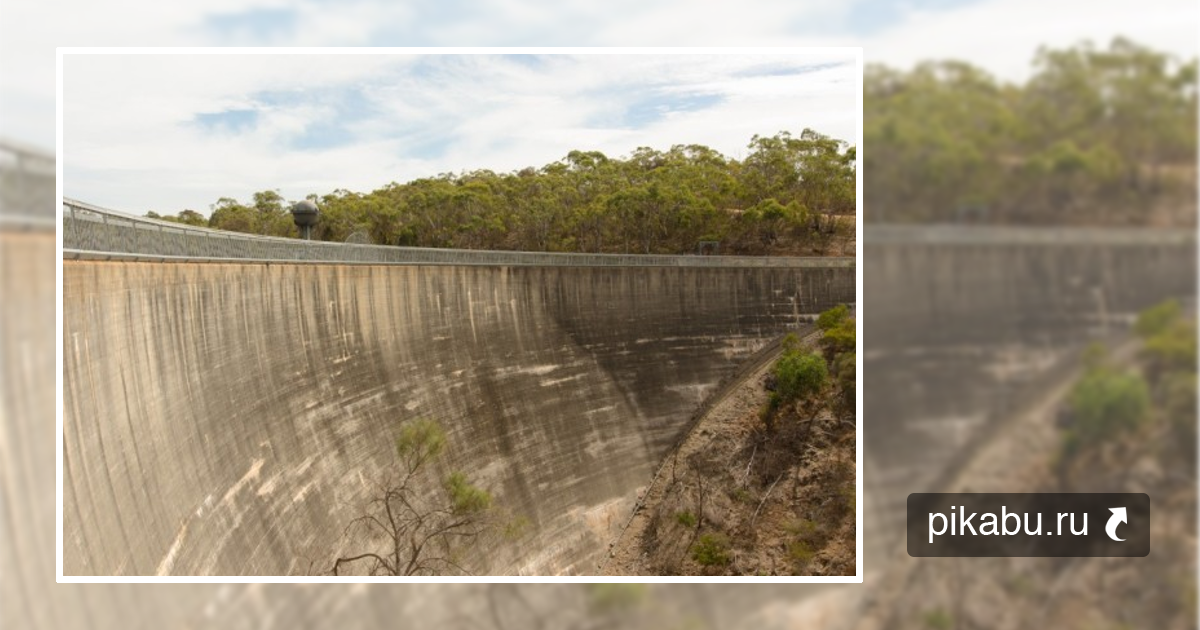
x=1118 y=517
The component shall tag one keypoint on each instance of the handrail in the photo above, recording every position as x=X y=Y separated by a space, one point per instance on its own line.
x=92 y=232
x=26 y=188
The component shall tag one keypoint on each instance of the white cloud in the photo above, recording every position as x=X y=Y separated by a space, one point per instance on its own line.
x=1000 y=35
x=1003 y=35
x=131 y=140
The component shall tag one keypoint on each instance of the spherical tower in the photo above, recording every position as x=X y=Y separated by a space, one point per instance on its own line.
x=305 y=214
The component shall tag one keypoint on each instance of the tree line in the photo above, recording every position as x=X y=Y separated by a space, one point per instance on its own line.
x=1098 y=136
x=785 y=196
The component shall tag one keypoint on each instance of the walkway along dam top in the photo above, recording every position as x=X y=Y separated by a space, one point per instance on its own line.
x=94 y=233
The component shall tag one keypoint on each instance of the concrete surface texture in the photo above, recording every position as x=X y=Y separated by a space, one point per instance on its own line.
x=27 y=381
x=230 y=419
x=957 y=285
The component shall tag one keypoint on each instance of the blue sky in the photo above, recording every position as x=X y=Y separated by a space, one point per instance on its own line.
x=168 y=132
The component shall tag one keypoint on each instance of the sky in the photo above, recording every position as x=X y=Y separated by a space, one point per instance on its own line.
x=168 y=132
x=998 y=35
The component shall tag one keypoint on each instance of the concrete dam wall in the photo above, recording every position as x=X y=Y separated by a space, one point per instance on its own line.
x=231 y=419
x=964 y=284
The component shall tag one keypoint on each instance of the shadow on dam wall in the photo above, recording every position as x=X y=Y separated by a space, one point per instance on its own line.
x=230 y=419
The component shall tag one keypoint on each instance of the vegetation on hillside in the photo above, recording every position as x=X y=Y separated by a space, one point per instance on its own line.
x=788 y=195
x=1100 y=136
x=1110 y=407
x=1171 y=359
x=769 y=490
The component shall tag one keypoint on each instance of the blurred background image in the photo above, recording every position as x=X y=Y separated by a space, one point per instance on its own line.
x=1030 y=204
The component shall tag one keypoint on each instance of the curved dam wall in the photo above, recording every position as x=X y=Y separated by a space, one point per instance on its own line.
x=970 y=284
x=231 y=419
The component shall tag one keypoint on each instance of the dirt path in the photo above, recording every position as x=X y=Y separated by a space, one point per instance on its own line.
x=742 y=396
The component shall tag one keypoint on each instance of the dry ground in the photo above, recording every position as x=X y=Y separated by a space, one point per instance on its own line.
x=784 y=502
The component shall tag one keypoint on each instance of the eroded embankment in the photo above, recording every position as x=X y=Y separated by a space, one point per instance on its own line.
x=723 y=482
x=228 y=419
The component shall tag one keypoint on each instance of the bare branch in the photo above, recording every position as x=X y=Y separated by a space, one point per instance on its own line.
x=340 y=561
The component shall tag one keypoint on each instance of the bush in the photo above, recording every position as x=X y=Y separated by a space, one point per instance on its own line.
x=419 y=441
x=799 y=375
x=840 y=338
x=790 y=343
x=464 y=497
x=1105 y=403
x=712 y=550
x=1172 y=349
x=687 y=519
x=839 y=331
x=833 y=317
x=1156 y=319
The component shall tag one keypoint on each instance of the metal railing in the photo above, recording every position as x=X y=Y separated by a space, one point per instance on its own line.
x=94 y=233
x=26 y=187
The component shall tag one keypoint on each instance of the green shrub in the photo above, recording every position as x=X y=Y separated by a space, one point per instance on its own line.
x=712 y=550
x=833 y=317
x=420 y=440
x=840 y=338
x=466 y=498
x=687 y=519
x=1171 y=350
x=1105 y=403
x=799 y=375
x=838 y=330
x=790 y=343
x=1156 y=319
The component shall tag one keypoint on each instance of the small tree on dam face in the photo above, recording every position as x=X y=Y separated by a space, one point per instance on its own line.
x=412 y=531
